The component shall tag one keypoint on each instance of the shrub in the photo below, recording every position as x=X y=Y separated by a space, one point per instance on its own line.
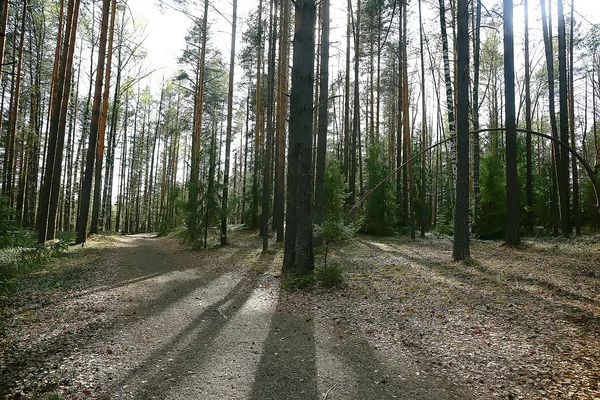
x=330 y=276
x=298 y=282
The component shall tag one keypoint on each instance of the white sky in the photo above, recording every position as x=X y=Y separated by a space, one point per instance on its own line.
x=166 y=30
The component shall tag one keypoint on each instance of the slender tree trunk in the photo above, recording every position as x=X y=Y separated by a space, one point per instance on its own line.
x=512 y=184
x=576 y=206
x=449 y=93
x=528 y=149
x=266 y=199
x=323 y=121
x=563 y=82
x=96 y=217
x=475 y=138
x=282 y=108
x=3 y=23
x=86 y=191
x=422 y=207
x=224 y=204
x=258 y=126
x=48 y=202
x=547 y=34
x=192 y=223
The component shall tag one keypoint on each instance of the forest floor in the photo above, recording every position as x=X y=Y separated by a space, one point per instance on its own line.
x=141 y=317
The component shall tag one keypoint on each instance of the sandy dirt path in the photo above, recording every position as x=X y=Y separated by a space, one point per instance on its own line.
x=157 y=320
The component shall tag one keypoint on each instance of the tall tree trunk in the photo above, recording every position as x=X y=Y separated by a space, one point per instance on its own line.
x=576 y=206
x=512 y=184
x=258 y=126
x=15 y=99
x=48 y=199
x=86 y=190
x=461 y=215
x=3 y=22
x=298 y=252
x=422 y=207
x=528 y=144
x=563 y=82
x=192 y=222
x=475 y=137
x=96 y=217
x=449 y=94
x=399 y=120
x=323 y=121
x=282 y=109
x=224 y=204
x=266 y=198
x=356 y=111
x=557 y=170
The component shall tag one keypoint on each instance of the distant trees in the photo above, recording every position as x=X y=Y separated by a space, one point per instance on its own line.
x=87 y=132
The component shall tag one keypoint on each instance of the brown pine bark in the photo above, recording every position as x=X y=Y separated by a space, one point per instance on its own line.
x=323 y=120
x=96 y=218
x=282 y=111
x=86 y=190
x=224 y=200
x=298 y=250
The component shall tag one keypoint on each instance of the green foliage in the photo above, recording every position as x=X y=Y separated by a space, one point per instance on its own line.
x=330 y=276
x=335 y=190
x=18 y=261
x=588 y=200
x=380 y=208
x=335 y=231
x=51 y=396
x=294 y=281
x=493 y=198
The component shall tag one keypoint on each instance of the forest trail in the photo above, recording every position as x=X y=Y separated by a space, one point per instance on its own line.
x=142 y=317
x=161 y=321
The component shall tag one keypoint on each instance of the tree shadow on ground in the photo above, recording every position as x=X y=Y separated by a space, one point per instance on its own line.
x=168 y=365
x=99 y=331
x=287 y=368
x=365 y=375
x=507 y=285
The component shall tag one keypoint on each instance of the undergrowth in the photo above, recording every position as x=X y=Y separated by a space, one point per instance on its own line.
x=16 y=262
x=329 y=277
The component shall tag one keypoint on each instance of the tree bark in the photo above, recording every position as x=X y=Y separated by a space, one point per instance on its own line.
x=192 y=221
x=224 y=203
x=86 y=190
x=298 y=252
x=512 y=184
x=461 y=216
x=323 y=121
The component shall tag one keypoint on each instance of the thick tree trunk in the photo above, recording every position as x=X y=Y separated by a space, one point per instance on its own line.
x=298 y=252
x=512 y=184
x=461 y=216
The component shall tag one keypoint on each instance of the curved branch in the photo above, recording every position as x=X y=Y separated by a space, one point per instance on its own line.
x=584 y=163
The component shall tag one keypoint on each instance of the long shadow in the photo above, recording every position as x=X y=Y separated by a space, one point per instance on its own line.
x=373 y=379
x=48 y=352
x=477 y=275
x=187 y=349
x=287 y=368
